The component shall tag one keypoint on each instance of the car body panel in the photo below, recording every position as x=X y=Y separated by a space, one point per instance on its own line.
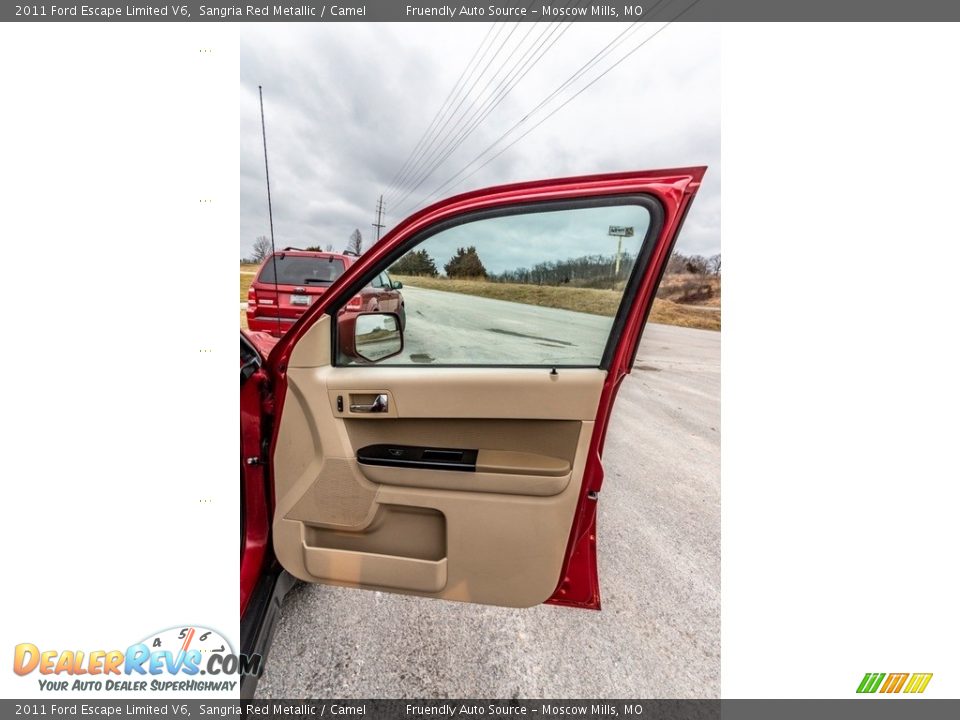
x=255 y=551
x=264 y=342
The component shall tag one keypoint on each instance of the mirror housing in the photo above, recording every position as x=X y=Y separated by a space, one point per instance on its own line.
x=370 y=337
x=397 y=285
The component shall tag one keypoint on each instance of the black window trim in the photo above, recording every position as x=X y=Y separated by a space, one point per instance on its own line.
x=654 y=228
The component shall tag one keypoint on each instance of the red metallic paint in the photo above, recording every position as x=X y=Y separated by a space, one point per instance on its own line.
x=255 y=544
x=264 y=342
x=578 y=584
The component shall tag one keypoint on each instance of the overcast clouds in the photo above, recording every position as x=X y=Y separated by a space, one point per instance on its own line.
x=345 y=103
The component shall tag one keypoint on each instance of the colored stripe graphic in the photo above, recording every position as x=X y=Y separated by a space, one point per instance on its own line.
x=894 y=682
x=918 y=683
x=870 y=682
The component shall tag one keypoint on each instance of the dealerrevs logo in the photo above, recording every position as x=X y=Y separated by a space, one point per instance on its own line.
x=180 y=659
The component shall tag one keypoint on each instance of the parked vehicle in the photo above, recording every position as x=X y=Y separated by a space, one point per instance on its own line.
x=291 y=280
x=470 y=469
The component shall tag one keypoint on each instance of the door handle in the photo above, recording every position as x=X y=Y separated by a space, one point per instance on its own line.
x=380 y=404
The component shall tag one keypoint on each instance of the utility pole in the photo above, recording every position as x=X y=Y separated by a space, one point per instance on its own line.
x=378 y=225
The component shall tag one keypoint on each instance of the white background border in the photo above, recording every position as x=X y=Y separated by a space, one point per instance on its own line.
x=840 y=388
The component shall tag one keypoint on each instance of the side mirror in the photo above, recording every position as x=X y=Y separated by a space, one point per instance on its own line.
x=397 y=285
x=371 y=336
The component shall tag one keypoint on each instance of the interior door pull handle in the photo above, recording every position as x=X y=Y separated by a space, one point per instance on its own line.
x=380 y=404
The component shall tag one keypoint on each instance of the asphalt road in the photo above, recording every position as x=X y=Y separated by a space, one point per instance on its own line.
x=447 y=327
x=658 y=634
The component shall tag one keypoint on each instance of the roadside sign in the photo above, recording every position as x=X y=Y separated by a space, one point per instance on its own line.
x=619 y=232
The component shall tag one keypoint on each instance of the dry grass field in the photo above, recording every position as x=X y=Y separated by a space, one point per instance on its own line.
x=688 y=289
x=683 y=300
x=247 y=274
x=588 y=300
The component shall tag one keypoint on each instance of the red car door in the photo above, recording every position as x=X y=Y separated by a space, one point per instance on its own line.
x=460 y=458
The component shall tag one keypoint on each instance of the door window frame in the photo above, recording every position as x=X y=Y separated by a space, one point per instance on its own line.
x=654 y=228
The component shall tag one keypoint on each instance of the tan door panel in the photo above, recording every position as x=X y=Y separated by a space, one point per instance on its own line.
x=371 y=569
x=509 y=462
x=483 y=481
x=476 y=393
x=496 y=535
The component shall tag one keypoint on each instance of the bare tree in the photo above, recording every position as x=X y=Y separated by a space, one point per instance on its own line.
x=697 y=264
x=677 y=264
x=355 y=243
x=713 y=264
x=261 y=248
x=328 y=247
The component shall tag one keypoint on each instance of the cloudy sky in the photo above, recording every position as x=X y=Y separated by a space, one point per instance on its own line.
x=346 y=103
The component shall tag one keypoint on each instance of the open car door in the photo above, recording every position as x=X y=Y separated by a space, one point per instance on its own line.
x=457 y=455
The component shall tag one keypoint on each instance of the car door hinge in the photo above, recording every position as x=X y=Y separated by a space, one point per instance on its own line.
x=593 y=495
x=253 y=461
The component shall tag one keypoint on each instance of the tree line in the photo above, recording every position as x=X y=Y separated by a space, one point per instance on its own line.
x=693 y=264
x=262 y=247
x=465 y=263
x=585 y=271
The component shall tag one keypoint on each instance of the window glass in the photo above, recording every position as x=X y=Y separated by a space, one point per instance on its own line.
x=300 y=270
x=537 y=288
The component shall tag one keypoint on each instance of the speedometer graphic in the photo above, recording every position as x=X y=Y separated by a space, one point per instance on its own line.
x=186 y=638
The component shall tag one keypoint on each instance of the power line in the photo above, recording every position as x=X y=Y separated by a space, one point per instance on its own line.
x=454 y=92
x=457 y=177
x=461 y=127
x=592 y=62
x=441 y=109
x=426 y=155
x=513 y=78
x=424 y=158
x=602 y=53
x=596 y=58
x=499 y=27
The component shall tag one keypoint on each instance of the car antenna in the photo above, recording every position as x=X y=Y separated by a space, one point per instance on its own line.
x=273 y=247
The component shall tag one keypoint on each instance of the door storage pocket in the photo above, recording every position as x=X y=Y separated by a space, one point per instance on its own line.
x=389 y=571
x=404 y=548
